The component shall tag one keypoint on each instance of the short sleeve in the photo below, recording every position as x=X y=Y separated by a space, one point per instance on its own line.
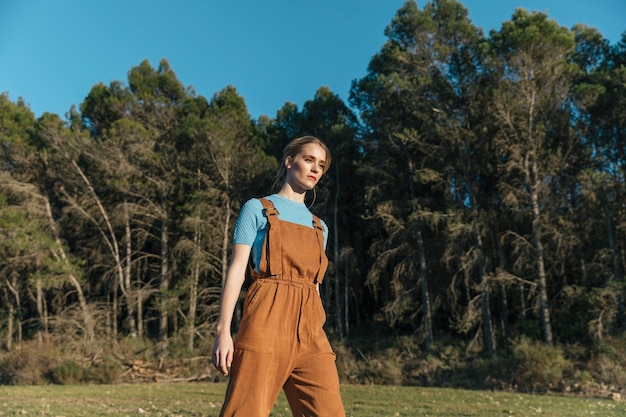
x=325 y=233
x=248 y=222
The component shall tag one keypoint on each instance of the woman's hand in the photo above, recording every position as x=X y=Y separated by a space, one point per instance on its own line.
x=223 y=351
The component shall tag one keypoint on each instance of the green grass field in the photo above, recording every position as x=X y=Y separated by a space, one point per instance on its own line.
x=204 y=399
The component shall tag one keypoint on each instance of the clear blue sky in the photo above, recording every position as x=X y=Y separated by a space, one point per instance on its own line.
x=271 y=51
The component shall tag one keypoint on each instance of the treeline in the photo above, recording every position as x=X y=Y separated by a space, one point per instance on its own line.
x=476 y=198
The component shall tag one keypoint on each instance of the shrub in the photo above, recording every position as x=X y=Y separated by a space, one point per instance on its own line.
x=538 y=366
x=608 y=371
x=491 y=372
x=66 y=373
x=27 y=365
x=107 y=371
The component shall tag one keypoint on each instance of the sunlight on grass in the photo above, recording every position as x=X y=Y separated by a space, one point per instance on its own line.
x=205 y=399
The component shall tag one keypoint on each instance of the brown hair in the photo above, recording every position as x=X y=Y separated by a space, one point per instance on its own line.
x=292 y=149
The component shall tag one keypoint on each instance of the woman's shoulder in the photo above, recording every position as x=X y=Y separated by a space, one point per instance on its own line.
x=251 y=210
x=253 y=203
x=254 y=207
x=256 y=203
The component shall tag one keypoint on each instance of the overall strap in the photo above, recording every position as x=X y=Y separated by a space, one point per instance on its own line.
x=271 y=259
x=319 y=232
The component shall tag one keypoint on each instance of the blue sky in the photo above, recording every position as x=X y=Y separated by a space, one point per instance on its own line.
x=271 y=51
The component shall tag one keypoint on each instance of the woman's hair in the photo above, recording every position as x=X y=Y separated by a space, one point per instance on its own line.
x=292 y=149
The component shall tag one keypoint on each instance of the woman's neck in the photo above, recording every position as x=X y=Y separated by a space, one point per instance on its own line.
x=290 y=194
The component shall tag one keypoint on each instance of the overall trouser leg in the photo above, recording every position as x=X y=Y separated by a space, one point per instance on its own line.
x=263 y=351
x=252 y=390
x=312 y=389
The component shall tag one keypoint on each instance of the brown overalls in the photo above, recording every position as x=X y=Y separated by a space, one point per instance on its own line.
x=281 y=342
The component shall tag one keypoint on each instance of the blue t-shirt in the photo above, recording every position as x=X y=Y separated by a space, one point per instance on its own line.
x=251 y=223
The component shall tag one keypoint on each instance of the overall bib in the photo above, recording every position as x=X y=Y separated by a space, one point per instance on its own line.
x=281 y=342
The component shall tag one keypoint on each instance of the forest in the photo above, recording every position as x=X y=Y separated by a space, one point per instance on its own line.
x=475 y=204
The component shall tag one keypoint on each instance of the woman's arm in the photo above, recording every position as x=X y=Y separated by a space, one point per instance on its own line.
x=223 y=349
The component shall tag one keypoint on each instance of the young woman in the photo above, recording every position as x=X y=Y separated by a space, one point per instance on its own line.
x=281 y=342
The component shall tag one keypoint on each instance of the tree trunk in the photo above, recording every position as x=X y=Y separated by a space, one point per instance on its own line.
x=504 y=314
x=165 y=275
x=484 y=292
x=108 y=325
x=546 y=325
x=140 y=325
x=482 y=275
x=193 y=291
x=114 y=310
x=426 y=311
x=10 y=319
x=423 y=271
x=346 y=297
x=338 y=320
x=14 y=312
x=40 y=314
x=130 y=299
x=504 y=305
x=522 y=301
x=617 y=270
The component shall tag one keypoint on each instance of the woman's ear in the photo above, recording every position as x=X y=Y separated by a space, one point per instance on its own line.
x=288 y=161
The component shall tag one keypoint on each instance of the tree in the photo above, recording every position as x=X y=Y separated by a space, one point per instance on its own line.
x=394 y=103
x=224 y=164
x=600 y=119
x=24 y=181
x=133 y=183
x=534 y=142
x=326 y=116
x=158 y=94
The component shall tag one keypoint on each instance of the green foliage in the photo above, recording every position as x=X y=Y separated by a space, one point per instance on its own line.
x=17 y=123
x=538 y=367
x=67 y=373
x=107 y=371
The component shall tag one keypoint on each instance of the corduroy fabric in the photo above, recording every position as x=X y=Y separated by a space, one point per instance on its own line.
x=281 y=341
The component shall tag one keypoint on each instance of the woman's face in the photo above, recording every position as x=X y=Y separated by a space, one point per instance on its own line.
x=306 y=168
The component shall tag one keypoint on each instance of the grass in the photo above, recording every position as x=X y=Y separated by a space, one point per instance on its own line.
x=204 y=399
